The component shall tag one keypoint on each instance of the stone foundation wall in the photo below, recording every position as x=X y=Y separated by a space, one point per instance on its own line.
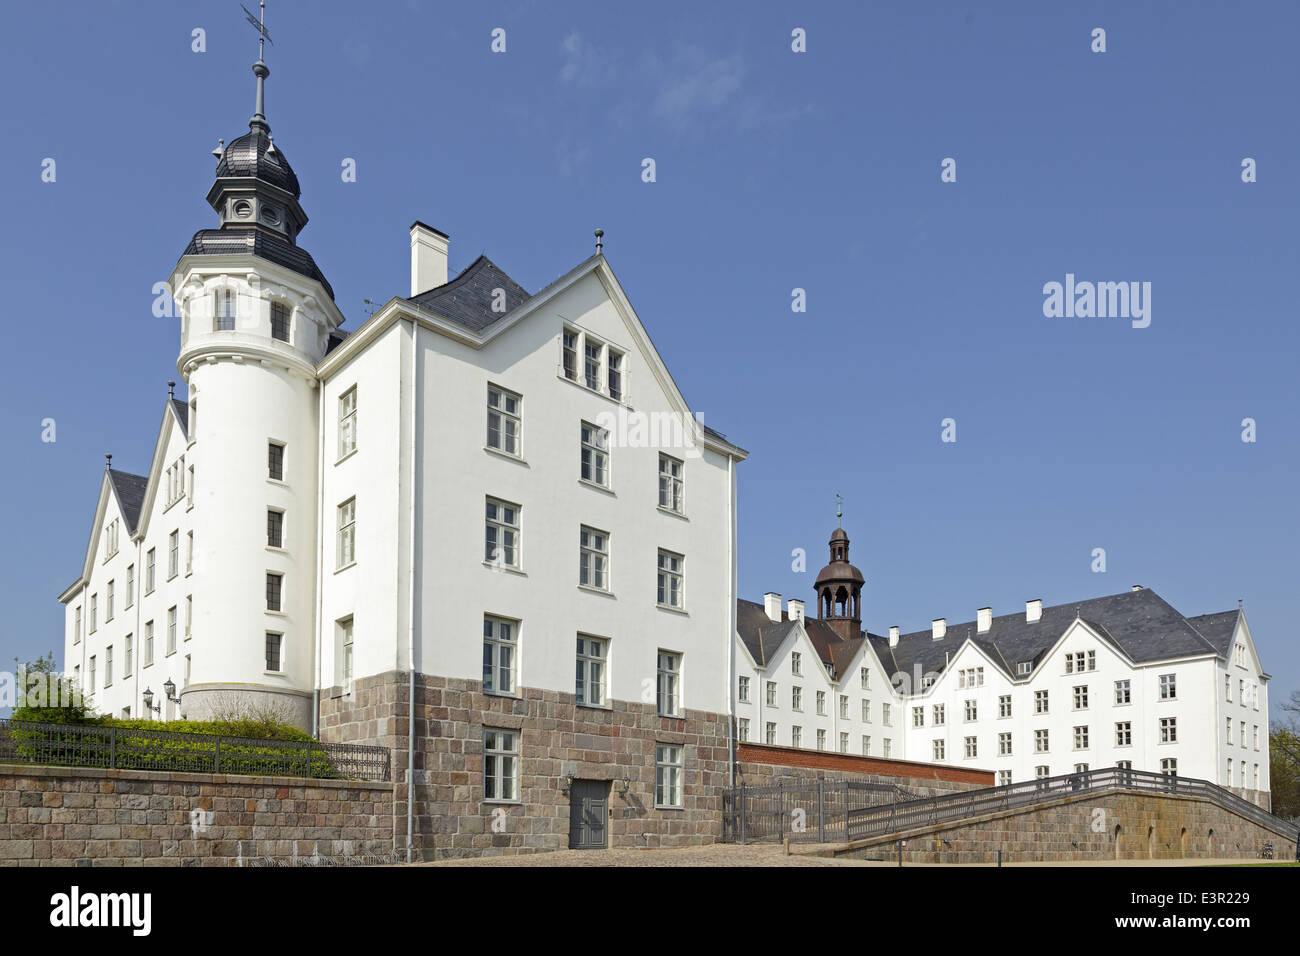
x=1124 y=826
x=764 y=764
x=65 y=816
x=556 y=738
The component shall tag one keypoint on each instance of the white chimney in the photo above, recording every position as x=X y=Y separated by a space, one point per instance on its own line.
x=772 y=605
x=428 y=258
x=1033 y=610
x=1137 y=587
x=983 y=620
x=796 y=609
x=938 y=628
x=893 y=636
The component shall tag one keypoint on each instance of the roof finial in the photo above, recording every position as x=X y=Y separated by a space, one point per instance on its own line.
x=259 y=68
x=600 y=235
x=839 y=511
x=171 y=389
x=108 y=462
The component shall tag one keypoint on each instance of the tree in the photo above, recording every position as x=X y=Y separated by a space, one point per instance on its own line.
x=48 y=696
x=1284 y=760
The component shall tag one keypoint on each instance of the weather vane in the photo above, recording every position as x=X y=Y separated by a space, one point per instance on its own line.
x=839 y=511
x=259 y=26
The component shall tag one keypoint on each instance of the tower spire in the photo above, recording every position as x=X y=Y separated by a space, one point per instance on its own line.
x=839 y=512
x=260 y=69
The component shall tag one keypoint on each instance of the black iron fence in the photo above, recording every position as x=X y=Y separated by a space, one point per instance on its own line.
x=129 y=748
x=800 y=812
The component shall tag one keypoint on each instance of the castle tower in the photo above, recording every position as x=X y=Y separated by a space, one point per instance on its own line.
x=256 y=318
x=839 y=589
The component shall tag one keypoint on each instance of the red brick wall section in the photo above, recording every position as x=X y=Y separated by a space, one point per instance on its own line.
x=849 y=763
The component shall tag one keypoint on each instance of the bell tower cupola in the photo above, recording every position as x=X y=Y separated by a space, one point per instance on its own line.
x=839 y=586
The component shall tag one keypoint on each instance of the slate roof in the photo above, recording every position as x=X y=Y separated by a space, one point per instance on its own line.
x=183 y=414
x=467 y=299
x=261 y=243
x=130 y=494
x=1140 y=624
x=247 y=156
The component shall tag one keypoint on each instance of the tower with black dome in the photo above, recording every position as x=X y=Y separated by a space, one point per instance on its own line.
x=257 y=316
x=839 y=588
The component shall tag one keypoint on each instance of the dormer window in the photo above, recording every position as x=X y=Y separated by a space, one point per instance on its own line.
x=280 y=321
x=225 y=310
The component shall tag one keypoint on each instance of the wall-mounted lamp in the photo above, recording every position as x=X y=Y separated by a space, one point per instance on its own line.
x=568 y=782
x=627 y=785
x=169 y=689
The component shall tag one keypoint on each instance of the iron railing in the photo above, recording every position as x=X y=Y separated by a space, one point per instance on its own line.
x=128 y=748
x=813 y=810
x=796 y=812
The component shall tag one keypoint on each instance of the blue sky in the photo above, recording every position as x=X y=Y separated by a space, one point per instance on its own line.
x=775 y=170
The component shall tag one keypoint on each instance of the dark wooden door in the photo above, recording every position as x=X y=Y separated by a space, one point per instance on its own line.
x=588 y=814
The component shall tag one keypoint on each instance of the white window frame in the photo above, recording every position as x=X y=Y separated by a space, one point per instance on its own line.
x=670 y=589
x=500 y=765
x=593 y=558
x=347 y=427
x=672 y=484
x=668 y=683
x=508 y=430
x=591 y=671
x=502 y=536
x=500 y=655
x=669 y=766
x=593 y=464
x=345 y=547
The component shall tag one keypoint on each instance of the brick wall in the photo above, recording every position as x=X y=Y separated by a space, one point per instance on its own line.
x=556 y=738
x=762 y=763
x=1126 y=826
x=63 y=816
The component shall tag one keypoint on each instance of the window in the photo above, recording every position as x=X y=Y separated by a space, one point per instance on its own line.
x=1241 y=691
x=668 y=775
x=742 y=689
x=591 y=365
x=972 y=710
x=173 y=554
x=346 y=545
x=1242 y=738
x=501 y=543
x=92 y=673
x=127 y=657
x=108 y=602
x=108 y=666
x=1227 y=688
x=821 y=703
x=500 y=765
x=866 y=746
x=1169 y=767
x=225 y=311
x=1080 y=738
x=937 y=749
x=844 y=742
x=796 y=736
x=94 y=607
x=498 y=656
x=1004 y=706
x=887 y=747
x=189 y=614
x=666 y=686
x=670 y=483
x=1239 y=655
x=918 y=716
x=504 y=421
x=1123 y=692
x=1124 y=764
x=187 y=670
x=1080 y=768
x=771 y=693
x=274 y=528
x=796 y=698
x=345 y=654
x=769 y=733
x=130 y=586
x=275 y=461
x=274 y=588
x=670 y=579
x=742 y=729
x=796 y=664
x=189 y=552
x=1042 y=772
x=594 y=466
x=866 y=711
x=615 y=375
x=821 y=739
x=970 y=677
x=76 y=625
x=972 y=749
x=570 y=355
x=1040 y=702
x=593 y=558
x=1169 y=730
x=939 y=714
x=866 y=679
x=1004 y=745
x=273 y=648
x=844 y=707
x=590 y=687
x=348 y=422
x=148 y=571
x=110 y=539
x=885 y=717
x=1080 y=662
x=1023 y=668
x=1254 y=732
x=190 y=486
x=1040 y=742
x=171 y=629
x=1004 y=778
x=148 y=643
x=1168 y=687
x=280 y=321
x=1081 y=697
x=1124 y=733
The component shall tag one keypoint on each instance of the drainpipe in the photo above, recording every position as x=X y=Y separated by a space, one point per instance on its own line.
x=410 y=691
x=320 y=558
x=731 y=621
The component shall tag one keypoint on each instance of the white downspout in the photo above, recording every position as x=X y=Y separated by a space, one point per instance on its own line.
x=410 y=691
x=320 y=557
x=731 y=621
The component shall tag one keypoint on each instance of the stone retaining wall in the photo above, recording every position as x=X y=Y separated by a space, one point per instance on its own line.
x=65 y=816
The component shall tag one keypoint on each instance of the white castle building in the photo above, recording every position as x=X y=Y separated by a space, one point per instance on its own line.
x=1123 y=680
x=464 y=486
